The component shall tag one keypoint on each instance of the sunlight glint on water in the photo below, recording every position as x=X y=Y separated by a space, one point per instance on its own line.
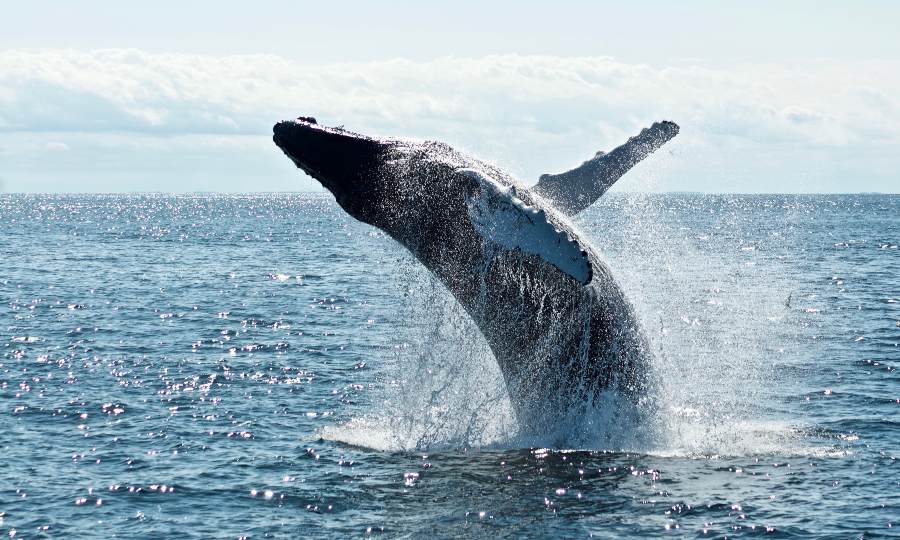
x=205 y=366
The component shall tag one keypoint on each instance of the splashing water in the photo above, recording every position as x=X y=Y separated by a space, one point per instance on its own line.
x=716 y=338
x=443 y=388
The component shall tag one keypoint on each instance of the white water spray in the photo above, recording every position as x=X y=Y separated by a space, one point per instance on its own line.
x=713 y=325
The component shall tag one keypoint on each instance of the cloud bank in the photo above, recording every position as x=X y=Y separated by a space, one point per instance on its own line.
x=149 y=119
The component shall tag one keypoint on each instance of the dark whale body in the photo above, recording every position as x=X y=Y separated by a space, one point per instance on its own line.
x=560 y=327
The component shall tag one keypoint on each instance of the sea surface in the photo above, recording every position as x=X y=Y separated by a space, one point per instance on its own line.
x=263 y=366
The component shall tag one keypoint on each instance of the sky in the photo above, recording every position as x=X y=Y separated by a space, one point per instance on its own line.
x=103 y=96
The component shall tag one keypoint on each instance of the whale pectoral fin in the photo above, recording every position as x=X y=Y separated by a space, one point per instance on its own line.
x=506 y=221
x=575 y=190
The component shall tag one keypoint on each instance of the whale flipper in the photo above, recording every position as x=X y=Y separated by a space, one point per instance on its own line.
x=501 y=217
x=573 y=191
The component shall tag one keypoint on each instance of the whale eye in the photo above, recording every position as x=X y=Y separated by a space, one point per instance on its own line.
x=508 y=222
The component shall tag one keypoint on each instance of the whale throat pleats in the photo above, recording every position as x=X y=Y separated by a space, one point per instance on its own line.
x=504 y=220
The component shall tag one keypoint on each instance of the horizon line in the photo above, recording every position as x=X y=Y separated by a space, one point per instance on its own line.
x=324 y=192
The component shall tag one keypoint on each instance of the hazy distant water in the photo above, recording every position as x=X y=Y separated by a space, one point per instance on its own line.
x=263 y=366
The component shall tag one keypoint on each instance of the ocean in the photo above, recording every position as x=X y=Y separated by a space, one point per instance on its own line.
x=263 y=366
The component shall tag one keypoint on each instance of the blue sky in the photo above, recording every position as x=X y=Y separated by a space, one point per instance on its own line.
x=771 y=96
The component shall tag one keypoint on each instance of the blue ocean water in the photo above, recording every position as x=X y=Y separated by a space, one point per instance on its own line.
x=262 y=366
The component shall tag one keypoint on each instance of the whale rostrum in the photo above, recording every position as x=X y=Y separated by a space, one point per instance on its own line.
x=558 y=324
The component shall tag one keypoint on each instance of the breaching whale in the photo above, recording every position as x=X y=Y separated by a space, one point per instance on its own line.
x=558 y=324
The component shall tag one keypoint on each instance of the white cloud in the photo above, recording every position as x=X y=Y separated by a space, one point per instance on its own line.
x=57 y=146
x=531 y=113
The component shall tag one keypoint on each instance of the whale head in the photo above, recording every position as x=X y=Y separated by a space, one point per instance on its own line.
x=424 y=192
x=344 y=162
x=400 y=186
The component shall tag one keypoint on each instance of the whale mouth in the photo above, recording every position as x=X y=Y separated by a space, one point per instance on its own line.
x=342 y=161
x=285 y=135
x=282 y=136
x=311 y=146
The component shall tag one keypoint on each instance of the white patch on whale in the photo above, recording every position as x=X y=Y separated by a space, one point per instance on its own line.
x=504 y=219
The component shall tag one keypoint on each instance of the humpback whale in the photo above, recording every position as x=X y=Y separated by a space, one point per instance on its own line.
x=558 y=324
